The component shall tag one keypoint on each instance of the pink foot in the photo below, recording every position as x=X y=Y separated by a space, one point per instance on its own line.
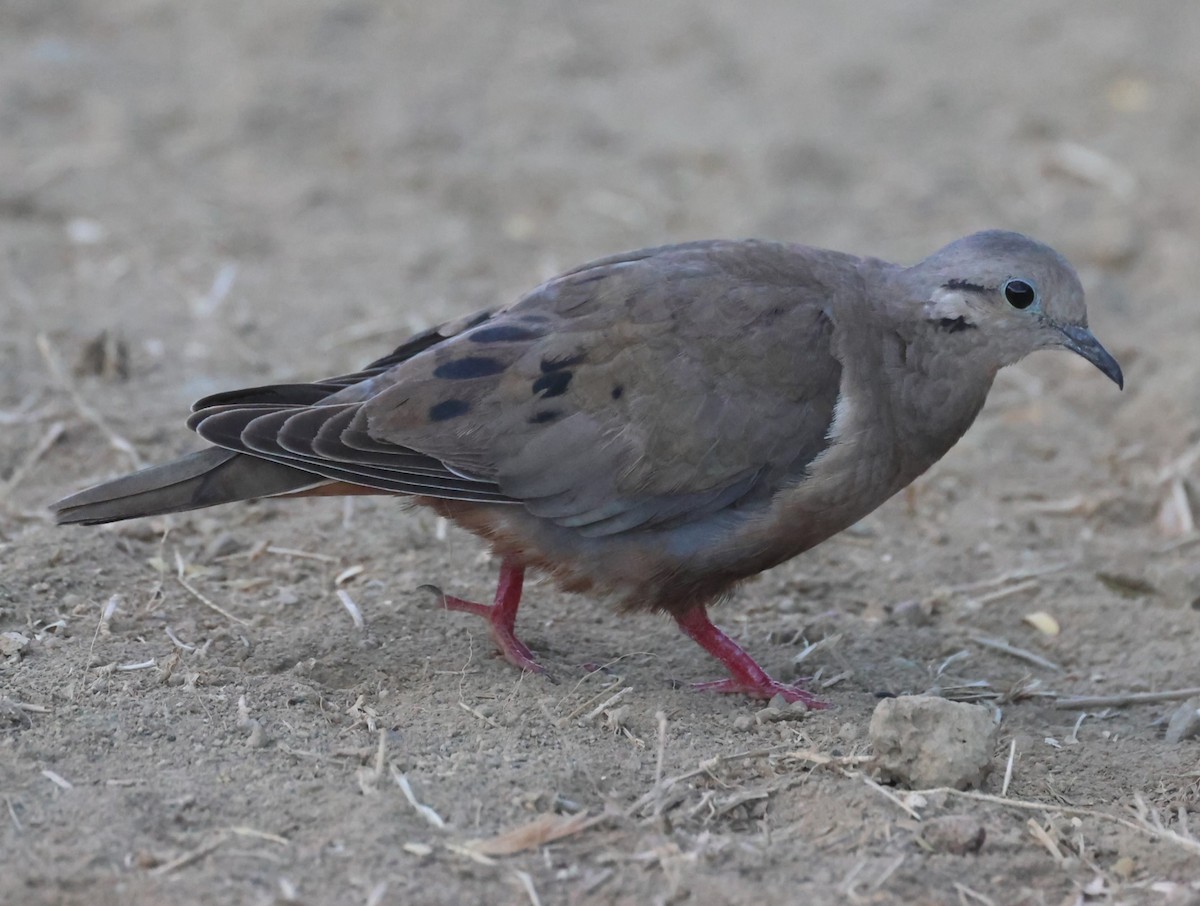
x=501 y=616
x=745 y=676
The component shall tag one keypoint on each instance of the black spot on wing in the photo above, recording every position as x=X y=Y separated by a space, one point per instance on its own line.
x=503 y=333
x=553 y=384
x=617 y=391
x=546 y=415
x=447 y=409
x=472 y=366
x=405 y=351
x=549 y=365
x=954 y=325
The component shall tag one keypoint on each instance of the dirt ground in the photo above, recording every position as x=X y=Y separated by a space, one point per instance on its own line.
x=200 y=196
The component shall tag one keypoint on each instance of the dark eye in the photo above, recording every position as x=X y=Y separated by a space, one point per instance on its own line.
x=1019 y=293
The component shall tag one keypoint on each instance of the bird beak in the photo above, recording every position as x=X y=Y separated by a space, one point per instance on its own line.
x=1079 y=339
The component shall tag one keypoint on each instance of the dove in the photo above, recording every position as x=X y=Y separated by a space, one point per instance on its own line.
x=651 y=427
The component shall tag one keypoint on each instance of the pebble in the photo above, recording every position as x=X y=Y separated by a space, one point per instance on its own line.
x=922 y=741
x=1185 y=721
x=12 y=644
x=958 y=835
x=779 y=708
x=258 y=736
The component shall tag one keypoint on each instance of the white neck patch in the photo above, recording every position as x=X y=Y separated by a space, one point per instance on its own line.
x=948 y=304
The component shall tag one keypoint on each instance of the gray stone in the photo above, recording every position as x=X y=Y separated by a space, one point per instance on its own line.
x=1185 y=721
x=922 y=741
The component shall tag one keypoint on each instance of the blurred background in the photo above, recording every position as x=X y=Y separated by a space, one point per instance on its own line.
x=202 y=170
x=196 y=196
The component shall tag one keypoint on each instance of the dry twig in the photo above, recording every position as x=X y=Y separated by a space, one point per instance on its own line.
x=1012 y=651
x=53 y=433
x=1147 y=822
x=1008 y=768
x=200 y=596
x=351 y=608
x=423 y=810
x=1120 y=699
x=82 y=407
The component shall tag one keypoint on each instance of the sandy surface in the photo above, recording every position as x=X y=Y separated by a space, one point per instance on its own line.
x=245 y=192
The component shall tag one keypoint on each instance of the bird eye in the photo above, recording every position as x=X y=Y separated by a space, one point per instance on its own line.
x=1019 y=294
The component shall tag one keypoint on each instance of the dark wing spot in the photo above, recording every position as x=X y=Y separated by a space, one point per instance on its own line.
x=546 y=415
x=954 y=325
x=549 y=365
x=503 y=333
x=472 y=366
x=964 y=284
x=617 y=391
x=446 y=409
x=552 y=384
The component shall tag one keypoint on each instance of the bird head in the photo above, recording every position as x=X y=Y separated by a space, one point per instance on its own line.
x=1016 y=293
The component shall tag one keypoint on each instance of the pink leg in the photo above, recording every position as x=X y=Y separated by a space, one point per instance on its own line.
x=745 y=676
x=502 y=616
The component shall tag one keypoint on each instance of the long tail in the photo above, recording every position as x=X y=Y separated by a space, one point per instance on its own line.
x=201 y=479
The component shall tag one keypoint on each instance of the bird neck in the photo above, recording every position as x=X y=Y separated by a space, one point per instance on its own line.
x=947 y=377
x=929 y=378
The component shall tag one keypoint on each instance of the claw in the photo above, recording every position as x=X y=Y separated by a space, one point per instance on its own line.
x=745 y=676
x=501 y=616
x=766 y=690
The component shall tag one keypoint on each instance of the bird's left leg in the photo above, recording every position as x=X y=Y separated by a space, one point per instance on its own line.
x=501 y=616
x=745 y=676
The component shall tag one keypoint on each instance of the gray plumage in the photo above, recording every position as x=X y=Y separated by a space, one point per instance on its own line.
x=658 y=424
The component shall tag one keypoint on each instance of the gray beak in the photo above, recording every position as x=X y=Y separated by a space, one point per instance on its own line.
x=1079 y=339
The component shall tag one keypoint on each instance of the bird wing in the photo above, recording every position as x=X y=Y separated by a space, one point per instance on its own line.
x=642 y=390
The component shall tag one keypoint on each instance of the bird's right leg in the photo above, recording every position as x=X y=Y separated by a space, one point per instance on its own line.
x=501 y=616
x=745 y=676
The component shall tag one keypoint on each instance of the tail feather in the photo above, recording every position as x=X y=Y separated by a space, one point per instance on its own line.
x=201 y=479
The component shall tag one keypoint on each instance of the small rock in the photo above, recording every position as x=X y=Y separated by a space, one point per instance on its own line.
x=914 y=612
x=923 y=741
x=796 y=711
x=12 y=644
x=768 y=715
x=286 y=597
x=145 y=860
x=779 y=708
x=1185 y=721
x=743 y=722
x=958 y=835
x=258 y=736
x=12 y=717
x=1127 y=585
x=615 y=719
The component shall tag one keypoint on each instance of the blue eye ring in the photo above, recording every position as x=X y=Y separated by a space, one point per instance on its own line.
x=1020 y=294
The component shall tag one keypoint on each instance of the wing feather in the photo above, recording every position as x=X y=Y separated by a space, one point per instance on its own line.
x=640 y=392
